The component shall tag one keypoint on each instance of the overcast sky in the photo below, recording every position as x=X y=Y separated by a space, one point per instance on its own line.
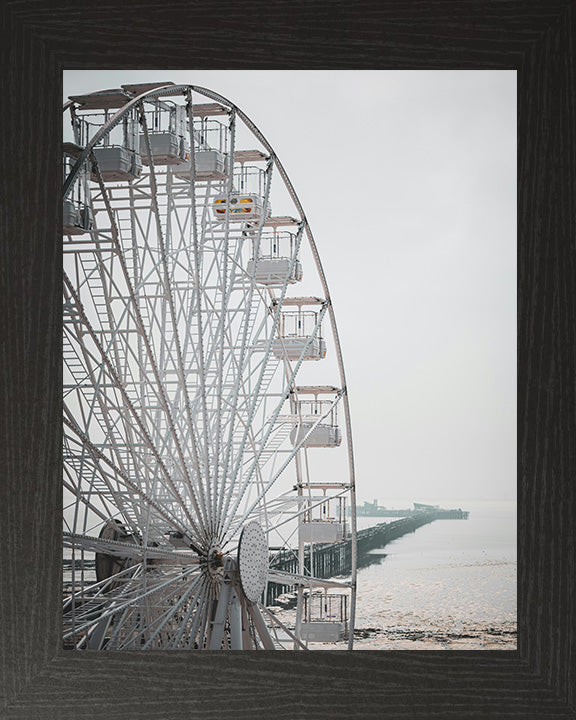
x=408 y=181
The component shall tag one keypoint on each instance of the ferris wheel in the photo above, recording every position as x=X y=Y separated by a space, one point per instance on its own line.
x=207 y=445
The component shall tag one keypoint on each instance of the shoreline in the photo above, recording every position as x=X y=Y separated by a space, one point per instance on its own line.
x=463 y=635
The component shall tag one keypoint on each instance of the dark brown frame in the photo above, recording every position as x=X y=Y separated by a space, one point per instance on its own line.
x=38 y=680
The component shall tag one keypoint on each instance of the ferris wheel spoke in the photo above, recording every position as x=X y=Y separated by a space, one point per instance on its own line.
x=159 y=556
x=99 y=459
x=88 y=605
x=243 y=517
x=130 y=407
x=137 y=590
x=149 y=624
x=165 y=622
x=197 y=309
x=239 y=339
x=111 y=428
x=225 y=292
x=201 y=640
x=158 y=388
x=115 y=485
x=174 y=334
x=96 y=590
x=103 y=510
x=96 y=490
x=191 y=619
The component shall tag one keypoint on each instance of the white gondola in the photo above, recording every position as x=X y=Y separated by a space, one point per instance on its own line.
x=323 y=519
x=299 y=331
x=118 y=158
x=271 y=263
x=76 y=214
x=325 y=617
x=211 y=142
x=322 y=435
x=166 y=149
x=295 y=347
x=118 y=163
x=322 y=531
x=274 y=271
x=317 y=420
x=210 y=165
x=167 y=144
x=76 y=218
x=323 y=631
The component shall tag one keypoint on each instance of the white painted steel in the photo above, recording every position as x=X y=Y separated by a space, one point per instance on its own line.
x=323 y=632
x=319 y=436
x=180 y=384
x=273 y=271
x=293 y=347
x=318 y=531
x=209 y=165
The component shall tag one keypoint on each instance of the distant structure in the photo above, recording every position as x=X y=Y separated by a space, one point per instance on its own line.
x=425 y=508
x=372 y=509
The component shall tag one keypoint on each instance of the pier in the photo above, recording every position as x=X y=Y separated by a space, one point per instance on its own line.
x=333 y=559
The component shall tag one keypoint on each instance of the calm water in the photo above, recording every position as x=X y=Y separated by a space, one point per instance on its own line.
x=449 y=585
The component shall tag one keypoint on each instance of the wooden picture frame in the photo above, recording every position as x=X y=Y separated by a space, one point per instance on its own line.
x=38 y=679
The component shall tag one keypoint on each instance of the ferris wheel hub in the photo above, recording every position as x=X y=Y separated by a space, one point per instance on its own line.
x=215 y=561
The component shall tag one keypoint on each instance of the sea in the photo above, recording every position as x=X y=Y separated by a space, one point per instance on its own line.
x=450 y=585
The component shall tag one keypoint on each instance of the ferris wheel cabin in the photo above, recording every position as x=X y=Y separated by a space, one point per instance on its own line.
x=324 y=521
x=118 y=156
x=321 y=435
x=77 y=216
x=300 y=332
x=271 y=263
x=209 y=165
x=247 y=199
x=211 y=140
x=166 y=135
x=317 y=419
x=117 y=163
x=325 y=617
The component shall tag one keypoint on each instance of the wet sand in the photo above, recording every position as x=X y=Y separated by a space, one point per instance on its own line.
x=499 y=637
